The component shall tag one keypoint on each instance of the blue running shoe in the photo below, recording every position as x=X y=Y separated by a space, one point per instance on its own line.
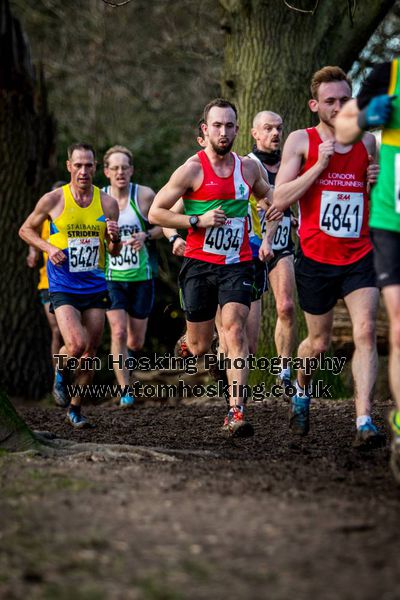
x=127 y=401
x=60 y=391
x=76 y=420
x=299 y=415
x=368 y=437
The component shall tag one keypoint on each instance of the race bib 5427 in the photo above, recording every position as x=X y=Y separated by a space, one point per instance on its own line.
x=83 y=254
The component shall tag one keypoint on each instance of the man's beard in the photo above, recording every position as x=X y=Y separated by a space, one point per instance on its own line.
x=222 y=151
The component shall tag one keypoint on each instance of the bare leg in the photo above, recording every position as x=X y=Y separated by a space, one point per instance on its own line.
x=234 y=317
x=283 y=285
x=363 y=305
x=118 y=320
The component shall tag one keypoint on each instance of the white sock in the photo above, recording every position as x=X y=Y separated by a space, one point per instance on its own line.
x=301 y=391
x=284 y=374
x=363 y=420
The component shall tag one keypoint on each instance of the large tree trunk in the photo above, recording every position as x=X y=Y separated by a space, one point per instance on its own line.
x=15 y=435
x=26 y=143
x=271 y=52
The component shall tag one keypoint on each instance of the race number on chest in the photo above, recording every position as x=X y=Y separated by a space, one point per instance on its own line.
x=83 y=254
x=225 y=240
x=341 y=214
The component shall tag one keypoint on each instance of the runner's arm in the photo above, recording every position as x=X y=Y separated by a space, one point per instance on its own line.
x=181 y=180
x=111 y=212
x=289 y=187
x=29 y=230
x=145 y=198
x=347 y=129
x=179 y=244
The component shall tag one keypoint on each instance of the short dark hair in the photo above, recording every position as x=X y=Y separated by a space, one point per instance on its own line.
x=80 y=146
x=200 y=129
x=327 y=75
x=221 y=103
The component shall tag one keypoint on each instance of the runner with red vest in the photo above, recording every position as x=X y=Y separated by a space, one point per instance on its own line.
x=215 y=185
x=331 y=183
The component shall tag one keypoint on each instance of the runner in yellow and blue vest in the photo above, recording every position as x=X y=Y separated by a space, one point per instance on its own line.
x=378 y=105
x=130 y=277
x=83 y=220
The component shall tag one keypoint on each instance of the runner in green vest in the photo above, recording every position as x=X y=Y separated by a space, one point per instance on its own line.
x=378 y=105
x=129 y=275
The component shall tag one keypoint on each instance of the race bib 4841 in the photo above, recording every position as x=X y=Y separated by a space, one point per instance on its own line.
x=341 y=214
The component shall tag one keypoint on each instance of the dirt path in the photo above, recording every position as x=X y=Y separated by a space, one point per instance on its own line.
x=201 y=517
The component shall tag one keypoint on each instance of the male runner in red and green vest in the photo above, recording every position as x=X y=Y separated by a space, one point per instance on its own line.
x=330 y=182
x=378 y=105
x=215 y=185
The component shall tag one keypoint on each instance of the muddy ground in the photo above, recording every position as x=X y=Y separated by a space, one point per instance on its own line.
x=196 y=516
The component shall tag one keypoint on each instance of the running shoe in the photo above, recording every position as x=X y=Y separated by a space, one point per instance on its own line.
x=181 y=348
x=60 y=391
x=368 y=437
x=76 y=420
x=299 y=414
x=235 y=424
x=127 y=401
x=394 y=421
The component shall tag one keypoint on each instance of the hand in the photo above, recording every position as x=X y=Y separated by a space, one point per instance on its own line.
x=273 y=214
x=137 y=240
x=212 y=218
x=178 y=247
x=56 y=256
x=265 y=252
x=325 y=151
x=32 y=257
x=378 y=111
x=372 y=171
x=112 y=230
x=294 y=221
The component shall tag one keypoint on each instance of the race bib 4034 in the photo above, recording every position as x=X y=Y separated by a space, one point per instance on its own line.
x=226 y=240
x=341 y=214
x=83 y=254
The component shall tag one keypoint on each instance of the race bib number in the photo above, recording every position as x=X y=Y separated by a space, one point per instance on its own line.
x=83 y=254
x=397 y=181
x=226 y=240
x=127 y=259
x=281 y=237
x=341 y=214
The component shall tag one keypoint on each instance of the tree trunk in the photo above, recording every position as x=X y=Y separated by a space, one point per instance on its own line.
x=15 y=435
x=271 y=52
x=26 y=144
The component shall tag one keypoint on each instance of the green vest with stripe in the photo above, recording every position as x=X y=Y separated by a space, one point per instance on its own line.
x=385 y=207
x=129 y=265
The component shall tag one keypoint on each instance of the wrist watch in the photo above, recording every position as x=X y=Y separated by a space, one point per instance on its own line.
x=194 y=220
x=174 y=237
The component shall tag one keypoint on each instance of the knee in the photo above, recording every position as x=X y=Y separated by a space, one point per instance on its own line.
x=119 y=334
x=75 y=347
x=198 y=347
x=285 y=309
x=320 y=344
x=395 y=336
x=365 y=334
x=235 y=334
x=135 y=343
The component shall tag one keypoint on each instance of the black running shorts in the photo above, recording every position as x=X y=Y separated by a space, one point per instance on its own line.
x=203 y=286
x=386 y=256
x=319 y=286
x=81 y=302
x=260 y=284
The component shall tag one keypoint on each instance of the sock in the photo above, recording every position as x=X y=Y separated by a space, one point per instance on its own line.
x=75 y=409
x=302 y=391
x=363 y=420
x=284 y=374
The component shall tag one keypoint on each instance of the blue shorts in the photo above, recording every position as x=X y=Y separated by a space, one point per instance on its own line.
x=136 y=297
